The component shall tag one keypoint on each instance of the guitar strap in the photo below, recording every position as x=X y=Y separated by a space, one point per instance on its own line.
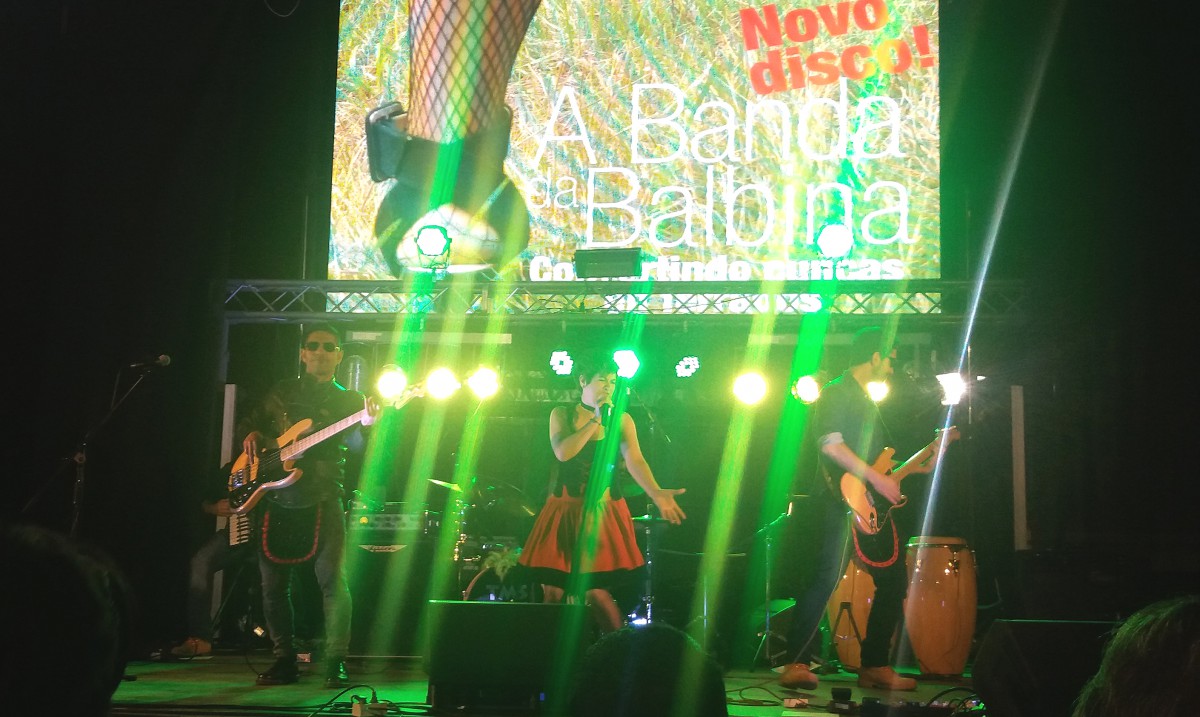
x=878 y=564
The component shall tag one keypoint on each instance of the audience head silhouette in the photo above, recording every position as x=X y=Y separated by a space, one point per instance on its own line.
x=1151 y=666
x=65 y=619
x=648 y=671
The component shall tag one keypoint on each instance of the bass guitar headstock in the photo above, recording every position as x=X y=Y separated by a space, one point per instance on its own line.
x=946 y=436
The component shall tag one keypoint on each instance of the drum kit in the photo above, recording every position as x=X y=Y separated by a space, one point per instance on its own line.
x=493 y=517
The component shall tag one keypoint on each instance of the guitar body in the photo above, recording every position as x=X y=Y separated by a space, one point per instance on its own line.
x=250 y=481
x=862 y=499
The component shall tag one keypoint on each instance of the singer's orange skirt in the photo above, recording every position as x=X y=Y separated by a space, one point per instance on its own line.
x=608 y=553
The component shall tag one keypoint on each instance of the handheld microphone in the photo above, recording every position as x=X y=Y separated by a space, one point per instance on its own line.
x=606 y=410
x=152 y=363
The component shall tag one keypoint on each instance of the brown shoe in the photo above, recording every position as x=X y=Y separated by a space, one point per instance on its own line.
x=884 y=678
x=797 y=676
x=192 y=647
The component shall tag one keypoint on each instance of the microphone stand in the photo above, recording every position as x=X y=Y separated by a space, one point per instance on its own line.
x=765 y=531
x=80 y=456
x=655 y=429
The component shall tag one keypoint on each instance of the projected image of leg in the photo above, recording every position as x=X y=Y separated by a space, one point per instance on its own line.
x=450 y=143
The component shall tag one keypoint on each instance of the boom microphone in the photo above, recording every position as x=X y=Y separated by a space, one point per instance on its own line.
x=152 y=363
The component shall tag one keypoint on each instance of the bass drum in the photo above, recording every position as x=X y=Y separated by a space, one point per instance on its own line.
x=513 y=586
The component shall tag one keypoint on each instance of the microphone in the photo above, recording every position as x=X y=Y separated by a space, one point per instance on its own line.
x=152 y=363
x=606 y=410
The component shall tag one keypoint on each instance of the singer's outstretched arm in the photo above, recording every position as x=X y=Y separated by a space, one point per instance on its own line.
x=639 y=469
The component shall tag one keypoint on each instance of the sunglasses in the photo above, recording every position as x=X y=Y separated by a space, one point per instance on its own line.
x=328 y=346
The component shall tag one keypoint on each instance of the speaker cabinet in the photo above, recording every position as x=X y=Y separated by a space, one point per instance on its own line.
x=1036 y=668
x=503 y=656
x=390 y=577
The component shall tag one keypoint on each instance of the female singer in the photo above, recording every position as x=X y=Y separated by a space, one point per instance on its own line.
x=583 y=542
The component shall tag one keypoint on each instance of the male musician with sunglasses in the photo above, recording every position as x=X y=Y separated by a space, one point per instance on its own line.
x=303 y=524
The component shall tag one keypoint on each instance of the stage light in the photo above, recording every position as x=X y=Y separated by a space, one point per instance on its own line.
x=627 y=363
x=877 y=390
x=561 y=362
x=953 y=388
x=441 y=384
x=835 y=240
x=687 y=366
x=433 y=242
x=484 y=383
x=806 y=389
x=750 y=388
x=391 y=383
x=447 y=240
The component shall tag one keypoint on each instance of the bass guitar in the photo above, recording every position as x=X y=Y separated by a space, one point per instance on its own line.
x=251 y=478
x=863 y=499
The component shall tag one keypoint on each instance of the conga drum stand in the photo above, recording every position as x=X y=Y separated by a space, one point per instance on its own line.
x=832 y=664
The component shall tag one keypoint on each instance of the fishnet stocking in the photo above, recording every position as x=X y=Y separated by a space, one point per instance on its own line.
x=462 y=57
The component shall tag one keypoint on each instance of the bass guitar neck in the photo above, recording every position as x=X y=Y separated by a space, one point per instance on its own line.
x=253 y=477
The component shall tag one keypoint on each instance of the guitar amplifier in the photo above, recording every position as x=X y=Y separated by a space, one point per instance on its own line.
x=393 y=524
x=389 y=562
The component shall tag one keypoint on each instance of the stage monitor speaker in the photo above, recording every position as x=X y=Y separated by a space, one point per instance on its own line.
x=503 y=656
x=1036 y=668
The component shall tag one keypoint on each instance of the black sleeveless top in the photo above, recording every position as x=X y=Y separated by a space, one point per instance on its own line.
x=571 y=476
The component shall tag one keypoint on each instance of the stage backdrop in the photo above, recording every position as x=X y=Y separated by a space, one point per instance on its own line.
x=729 y=140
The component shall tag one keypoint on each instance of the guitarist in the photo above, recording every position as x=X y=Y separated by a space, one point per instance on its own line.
x=303 y=524
x=849 y=434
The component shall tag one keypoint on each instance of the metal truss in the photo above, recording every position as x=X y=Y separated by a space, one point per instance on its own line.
x=459 y=297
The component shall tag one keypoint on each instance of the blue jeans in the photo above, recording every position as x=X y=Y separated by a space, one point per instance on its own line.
x=214 y=554
x=834 y=550
x=327 y=565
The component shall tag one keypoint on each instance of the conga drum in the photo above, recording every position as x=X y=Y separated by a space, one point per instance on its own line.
x=848 y=610
x=939 y=611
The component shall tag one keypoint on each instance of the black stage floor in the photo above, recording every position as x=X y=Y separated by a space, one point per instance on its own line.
x=223 y=684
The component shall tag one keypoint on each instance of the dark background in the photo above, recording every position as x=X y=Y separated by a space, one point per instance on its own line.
x=156 y=150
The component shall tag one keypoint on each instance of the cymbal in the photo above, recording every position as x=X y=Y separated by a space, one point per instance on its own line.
x=489 y=495
x=474 y=484
x=649 y=519
x=505 y=498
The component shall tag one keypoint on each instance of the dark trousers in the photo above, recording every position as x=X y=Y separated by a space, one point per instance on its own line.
x=834 y=549
x=327 y=565
x=214 y=554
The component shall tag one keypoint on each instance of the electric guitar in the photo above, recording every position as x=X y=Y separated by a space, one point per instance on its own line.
x=862 y=498
x=252 y=477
